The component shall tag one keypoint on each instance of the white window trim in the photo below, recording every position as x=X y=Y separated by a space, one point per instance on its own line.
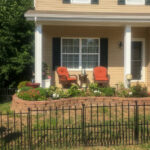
x=135 y=3
x=143 y=59
x=80 y=2
x=80 y=53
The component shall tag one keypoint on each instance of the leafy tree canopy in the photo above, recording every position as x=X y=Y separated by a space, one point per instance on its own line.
x=16 y=42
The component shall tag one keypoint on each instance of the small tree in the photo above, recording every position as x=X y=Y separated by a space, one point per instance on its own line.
x=16 y=42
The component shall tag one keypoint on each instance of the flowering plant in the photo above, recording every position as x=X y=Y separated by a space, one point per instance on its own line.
x=134 y=91
x=33 y=94
x=97 y=92
x=55 y=96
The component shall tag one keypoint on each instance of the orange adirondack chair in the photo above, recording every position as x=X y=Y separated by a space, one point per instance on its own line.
x=64 y=77
x=100 y=75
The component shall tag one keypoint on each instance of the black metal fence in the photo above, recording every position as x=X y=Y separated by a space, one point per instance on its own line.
x=103 y=125
x=6 y=94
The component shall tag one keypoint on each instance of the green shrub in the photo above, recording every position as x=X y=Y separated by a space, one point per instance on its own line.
x=123 y=92
x=25 y=88
x=107 y=91
x=74 y=91
x=98 y=91
x=52 y=90
x=56 y=93
x=62 y=93
x=43 y=93
x=22 y=84
x=84 y=93
x=94 y=87
x=134 y=91
x=33 y=94
x=138 y=91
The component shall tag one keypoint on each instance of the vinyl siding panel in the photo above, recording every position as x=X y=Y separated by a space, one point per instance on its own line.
x=103 y=6
x=115 y=53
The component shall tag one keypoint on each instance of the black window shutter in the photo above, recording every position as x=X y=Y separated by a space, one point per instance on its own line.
x=121 y=2
x=104 y=52
x=147 y=2
x=94 y=1
x=56 y=52
x=66 y=1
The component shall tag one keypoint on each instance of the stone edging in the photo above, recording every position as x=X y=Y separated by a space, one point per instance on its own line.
x=23 y=105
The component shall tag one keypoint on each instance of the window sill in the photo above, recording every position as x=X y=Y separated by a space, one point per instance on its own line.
x=137 y=81
x=80 y=69
x=80 y=3
x=86 y=4
x=135 y=4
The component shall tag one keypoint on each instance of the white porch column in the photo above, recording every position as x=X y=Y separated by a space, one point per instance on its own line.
x=38 y=54
x=127 y=53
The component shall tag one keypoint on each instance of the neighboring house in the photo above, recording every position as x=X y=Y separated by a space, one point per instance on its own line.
x=82 y=34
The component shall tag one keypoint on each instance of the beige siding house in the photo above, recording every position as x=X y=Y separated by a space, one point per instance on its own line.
x=82 y=34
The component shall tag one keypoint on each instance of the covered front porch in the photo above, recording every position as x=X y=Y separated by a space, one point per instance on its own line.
x=125 y=52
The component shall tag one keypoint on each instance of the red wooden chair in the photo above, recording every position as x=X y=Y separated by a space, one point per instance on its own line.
x=64 y=77
x=100 y=75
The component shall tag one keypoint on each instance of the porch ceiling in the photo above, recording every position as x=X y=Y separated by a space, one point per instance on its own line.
x=92 y=18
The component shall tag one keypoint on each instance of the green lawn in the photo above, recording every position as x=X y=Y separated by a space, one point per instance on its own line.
x=5 y=107
x=131 y=147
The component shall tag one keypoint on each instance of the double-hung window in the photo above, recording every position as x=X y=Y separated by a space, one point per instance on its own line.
x=90 y=53
x=70 y=53
x=135 y=2
x=80 y=1
x=137 y=60
x=79 y=53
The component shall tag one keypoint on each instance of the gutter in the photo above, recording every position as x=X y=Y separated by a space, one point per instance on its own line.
x=88 y=18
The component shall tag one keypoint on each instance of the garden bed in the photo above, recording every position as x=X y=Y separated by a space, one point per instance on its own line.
x=23 y=105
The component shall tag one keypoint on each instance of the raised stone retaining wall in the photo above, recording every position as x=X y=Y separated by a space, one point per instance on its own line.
x=23 y=105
